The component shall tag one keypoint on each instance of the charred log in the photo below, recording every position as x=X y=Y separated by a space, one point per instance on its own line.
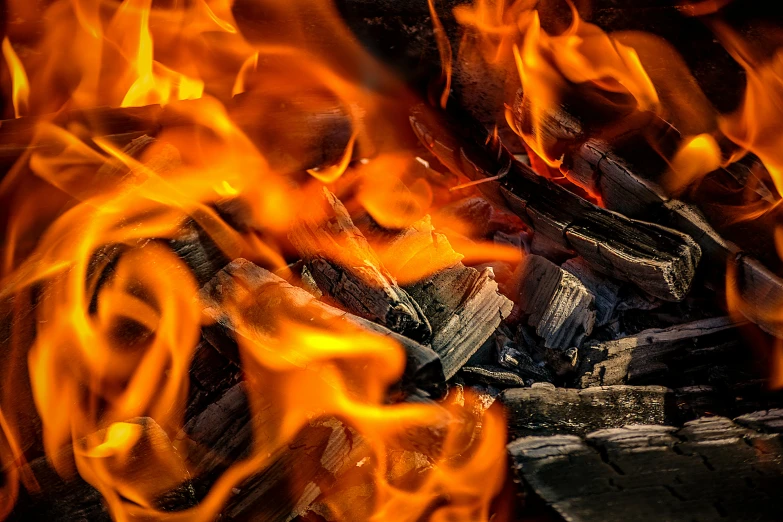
x=659 y=260
x=544 y=409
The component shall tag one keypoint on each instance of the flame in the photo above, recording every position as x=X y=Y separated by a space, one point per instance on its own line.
x=20 y=87
x=754 y=125
x=444 y=49
x=246 y=131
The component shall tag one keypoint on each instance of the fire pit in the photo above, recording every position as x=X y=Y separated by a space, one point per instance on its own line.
x=373 y=260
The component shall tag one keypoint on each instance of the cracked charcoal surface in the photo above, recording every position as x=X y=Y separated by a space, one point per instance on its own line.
x=712 y=469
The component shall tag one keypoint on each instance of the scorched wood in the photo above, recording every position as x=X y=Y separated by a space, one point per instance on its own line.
x=637 y=358
x=544 y=409
x=659 y=260
x=347 y=270
x=556 y=303
x=710 y=470
x=271 y=296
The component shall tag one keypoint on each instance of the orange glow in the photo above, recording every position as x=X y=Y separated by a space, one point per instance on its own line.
x=20 y=87
x=697 y=156
x=755 y=125
x=244 y=143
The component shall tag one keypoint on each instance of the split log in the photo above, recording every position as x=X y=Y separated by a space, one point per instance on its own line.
x=347 y=269
x=289 y=481
x=544 y=409
x=72 y=498
x=605 y=291
x=462 y=305
x=659 y=260
x=557 y=304
x=271 y=297
x=627 y=188
x=711 y=469
x=659 y=354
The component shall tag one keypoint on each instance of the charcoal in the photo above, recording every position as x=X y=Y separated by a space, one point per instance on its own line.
x=545 y=409
x=269 y=294
x=556 y=303
x=346 y=269
x=656 y=353
x=711 y=469
x=659 y=260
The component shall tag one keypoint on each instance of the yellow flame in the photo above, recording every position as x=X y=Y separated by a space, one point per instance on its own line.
x=20 y=87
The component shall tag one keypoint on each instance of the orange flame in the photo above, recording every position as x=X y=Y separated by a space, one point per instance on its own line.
x=20 y=87
x=107 y=349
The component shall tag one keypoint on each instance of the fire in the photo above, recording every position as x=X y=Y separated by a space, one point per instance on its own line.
x=106 y=317
x=20 y=87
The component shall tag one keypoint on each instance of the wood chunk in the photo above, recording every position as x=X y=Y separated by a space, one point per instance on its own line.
x=558 y=305
x=496 y=376
x=464 y=308
x=544 y=409
x=649 y=353
x=74 y=499
x=625 y=190
x=711 y=469
x=291 y=478
x=347 y=269
x=659 y=260
x=271 y=296
x=605 y=291
x=767 y=421
x=199 y=251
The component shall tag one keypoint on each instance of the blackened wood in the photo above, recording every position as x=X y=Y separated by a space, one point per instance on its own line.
x=656 y=353
x=288 y=481
x=544 y=409
x=557 y=304
x=626 y=190
x=464 y=308
x=199 y=251
x=347 y=270
x=72 y=498
x=496 y=376
x=659 y=260
x=605 y=291
x=711 y=469
x=271 y=296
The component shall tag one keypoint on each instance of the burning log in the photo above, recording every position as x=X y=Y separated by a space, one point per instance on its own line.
x=462 y=304
x=626 y=188
x=347 y=269
x=638 y=358
x=270 y=293
x=73 y=498
x=558 y=305
x=711 y=469
x=222 y=434
x=659 y=260
x=544 y=409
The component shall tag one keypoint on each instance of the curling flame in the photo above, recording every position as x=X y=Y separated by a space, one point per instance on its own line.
x=251 y=129
x=20 y=88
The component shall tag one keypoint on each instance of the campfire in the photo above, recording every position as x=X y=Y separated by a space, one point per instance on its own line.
x=321 y=260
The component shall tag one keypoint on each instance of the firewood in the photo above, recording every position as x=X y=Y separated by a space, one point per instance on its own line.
x=272 y=295
x=289 y=481
x=711 y=469
x=655 y=353
x=659 y=260
x=605 y=291
x=544 y=409
x=496 y=376
x=557 y=304
x=72 y=498
x=347 y=269
x=462 y=305
x=624 y=189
